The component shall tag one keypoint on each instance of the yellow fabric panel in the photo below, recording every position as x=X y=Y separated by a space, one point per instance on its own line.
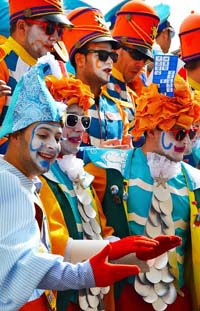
x=99 y=182
x=58 y=230
x=194 y=265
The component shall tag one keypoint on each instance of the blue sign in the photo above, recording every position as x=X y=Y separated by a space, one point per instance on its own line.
x=165 y=68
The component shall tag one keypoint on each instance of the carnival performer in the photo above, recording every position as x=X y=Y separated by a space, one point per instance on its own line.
x=190 y=54
x=29 y=272
x=35 y=26
x=135 y=29
x=72 y=207
x=92 y=52
x=151 y=191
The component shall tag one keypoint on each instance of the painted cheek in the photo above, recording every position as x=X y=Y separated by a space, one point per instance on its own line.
x=35 y=144
x=166 y=142
x=37 y=44
x=44 y=165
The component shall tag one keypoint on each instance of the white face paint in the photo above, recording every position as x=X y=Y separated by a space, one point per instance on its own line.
x=96 y=71
x=38 y=43
x=45 y=145
x=171 y=148
x=72 y=136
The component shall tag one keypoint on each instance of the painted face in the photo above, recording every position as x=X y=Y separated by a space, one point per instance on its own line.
x=172 y=148
x=97 y=71
x=38 y=43
x=72 y=135
x=44 y=145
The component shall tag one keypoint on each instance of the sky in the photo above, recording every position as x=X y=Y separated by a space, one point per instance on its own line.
x=179 y=10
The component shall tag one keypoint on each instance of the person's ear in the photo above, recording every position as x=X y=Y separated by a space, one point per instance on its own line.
x=21 y=25
x=80 y=60
x=151 y=133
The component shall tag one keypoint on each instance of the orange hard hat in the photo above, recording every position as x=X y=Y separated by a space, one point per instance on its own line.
x=51 y=9
x=89 y=26
x=189 y=34
x=136 y=25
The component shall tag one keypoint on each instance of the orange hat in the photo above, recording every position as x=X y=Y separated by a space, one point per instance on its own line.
x=51 y=9
x=189 y=34
x=158 y=110
x=70 y=90
x=136 y=25
x=89 y=25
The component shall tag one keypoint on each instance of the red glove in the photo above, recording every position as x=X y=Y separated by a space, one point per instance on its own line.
x=132 y=244
x=166 y=242
x=105 y=273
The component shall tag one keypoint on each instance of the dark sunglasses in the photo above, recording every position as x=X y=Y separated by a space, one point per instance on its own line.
x=72 y=120
x=179 y=135
x=48 y=27
x=135 y=54
x=103 y=55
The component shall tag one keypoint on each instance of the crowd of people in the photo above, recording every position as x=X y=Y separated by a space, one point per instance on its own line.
x=99 y=158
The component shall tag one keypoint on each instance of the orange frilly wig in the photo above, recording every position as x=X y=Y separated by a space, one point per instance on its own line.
x=154 y=109
x=70 y=91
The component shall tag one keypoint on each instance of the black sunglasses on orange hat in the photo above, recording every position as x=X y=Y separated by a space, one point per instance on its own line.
x=102 y=54
x=49 y=27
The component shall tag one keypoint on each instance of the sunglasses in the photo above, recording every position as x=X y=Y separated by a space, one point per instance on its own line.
x=179 y=135
x=48 y=27
x=135 y=54
x=103 y=55
x=72 y=120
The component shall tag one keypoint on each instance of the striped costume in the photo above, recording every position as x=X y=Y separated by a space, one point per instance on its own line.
x=117 y=88
x=108 y=120
x=14 y=61
x=27 y=267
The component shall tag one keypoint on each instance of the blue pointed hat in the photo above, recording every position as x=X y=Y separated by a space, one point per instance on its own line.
x=163 y=11
x=31 y=101
x=73 y=4
x=110 y=16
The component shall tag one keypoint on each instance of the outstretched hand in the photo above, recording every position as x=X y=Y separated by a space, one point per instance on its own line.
x=105 y=273
x=166 y=242
x=132 y=244
x=144 y=247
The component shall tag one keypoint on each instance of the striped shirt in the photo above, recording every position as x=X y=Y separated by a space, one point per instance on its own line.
x=24 y=270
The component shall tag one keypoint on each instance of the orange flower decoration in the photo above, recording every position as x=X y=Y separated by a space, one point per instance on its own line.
x=154 y=109
x=70 y=90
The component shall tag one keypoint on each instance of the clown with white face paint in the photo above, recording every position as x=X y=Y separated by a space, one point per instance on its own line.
x=76 y=211
x=35 y=26
x=44 y=145
x=33 y=123
x=157 y=193
x=76 y=122
x=175 y=143
x=92 y=52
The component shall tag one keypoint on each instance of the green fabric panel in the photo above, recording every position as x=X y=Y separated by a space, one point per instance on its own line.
x=197 y=197
x=65 y=297
x=115 y=213
x=66 y=209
